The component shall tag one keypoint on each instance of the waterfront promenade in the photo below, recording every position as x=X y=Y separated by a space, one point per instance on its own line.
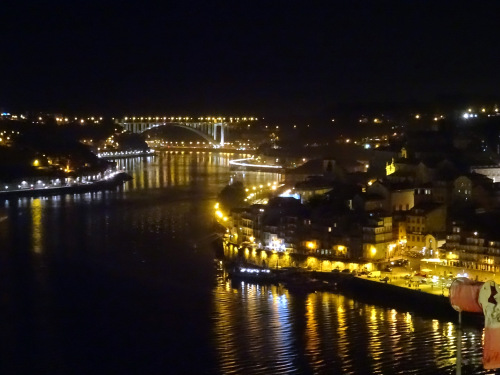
x=111 y=181
x=399 y=288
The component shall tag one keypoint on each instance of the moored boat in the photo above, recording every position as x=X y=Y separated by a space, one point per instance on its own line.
x=251 y=273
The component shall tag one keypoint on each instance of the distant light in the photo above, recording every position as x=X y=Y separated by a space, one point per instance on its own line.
x=417 y=116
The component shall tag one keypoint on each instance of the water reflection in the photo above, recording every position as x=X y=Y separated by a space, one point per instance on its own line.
x=36 y=223
x=187 y=168
x=329 y=333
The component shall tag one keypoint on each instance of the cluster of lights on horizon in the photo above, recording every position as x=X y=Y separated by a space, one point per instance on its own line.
x=187 y=118
x=124 y=153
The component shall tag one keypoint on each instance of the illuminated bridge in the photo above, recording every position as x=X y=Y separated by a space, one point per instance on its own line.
x=208 y=129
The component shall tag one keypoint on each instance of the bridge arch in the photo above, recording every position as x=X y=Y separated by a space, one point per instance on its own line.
x=206 y=130
x=182 y=126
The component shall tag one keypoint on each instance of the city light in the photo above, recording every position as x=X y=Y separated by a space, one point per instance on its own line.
x=240 y=162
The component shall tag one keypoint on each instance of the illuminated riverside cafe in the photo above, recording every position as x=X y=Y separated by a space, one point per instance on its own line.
x=282 y=259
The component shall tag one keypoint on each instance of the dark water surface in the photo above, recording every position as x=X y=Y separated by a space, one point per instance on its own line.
x=122 y=283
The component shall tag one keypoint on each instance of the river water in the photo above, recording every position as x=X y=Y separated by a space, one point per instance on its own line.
x=122 y=283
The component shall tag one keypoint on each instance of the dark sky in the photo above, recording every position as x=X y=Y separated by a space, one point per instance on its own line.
x=239 y=57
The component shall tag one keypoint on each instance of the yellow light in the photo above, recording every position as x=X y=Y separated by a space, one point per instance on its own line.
x=252 y=239
x=341 y=247
x=36 y=163
x=417 y=116
x=216 y=206
x=219 y=214
x=225 y=218
x=310 y=245
x=373 y=250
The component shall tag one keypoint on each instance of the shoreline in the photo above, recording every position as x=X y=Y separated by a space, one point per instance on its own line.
x=296 y=280
x=108 y=184
x=370 y=292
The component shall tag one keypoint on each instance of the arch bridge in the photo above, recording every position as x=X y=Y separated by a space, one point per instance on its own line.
x=206 y=129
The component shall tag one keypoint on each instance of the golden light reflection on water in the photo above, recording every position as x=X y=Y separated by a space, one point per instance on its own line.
x=342 y=328
x=36 y=223
x=394 y=334
x=435 y=325
x=450 y=332
x=375 y=348
x=181 y=168
x=312 y=335
x=330 y=332
x=409 y=322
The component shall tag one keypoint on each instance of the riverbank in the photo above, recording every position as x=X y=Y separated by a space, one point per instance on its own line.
x=369 y=291
x=124 y=154
x=105 y=184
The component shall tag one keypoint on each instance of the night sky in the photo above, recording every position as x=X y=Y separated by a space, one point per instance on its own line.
x=248 y=58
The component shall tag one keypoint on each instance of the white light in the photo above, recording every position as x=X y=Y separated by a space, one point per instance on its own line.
x=239 y=162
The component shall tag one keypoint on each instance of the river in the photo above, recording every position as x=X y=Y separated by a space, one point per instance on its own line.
x=122 y=282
